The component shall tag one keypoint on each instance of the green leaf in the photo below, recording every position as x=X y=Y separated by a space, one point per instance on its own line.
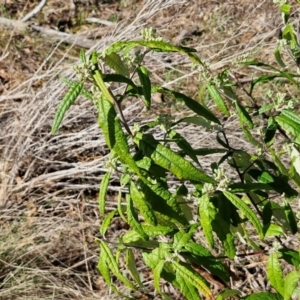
x=65 y=104
x=82 y=56
x=106 y=221
x=112 y=264
x=289 y=125
x=228 y=293
x=181 y=239
x=290 y=217
x=121 y=79
x=142 y=205
x=169 y=160
x=264 y=296
x=156 y=46
x=278 y=58
x=133 y=219
x=113 y=133
x=246 y=210
x=291 y=115
x=83 y=92
x=183 y=144
x=222 y=229
x=290 y=256
x=131 y=266
x=244 y=116
x=203 y=257
x=250 y=138
x=121 y=207
x=290 y=284
x=154 y=231
x=192 y=277
x=146 y=84
x=187 y=289
x=156 y=275
x=198 y=120
x=205 y=219
x=133 y=239
x=114 y=61
x=165 y=207
x=274 y=273
x=208 y=151
x=273 y=230
x=248 y=187
x=103 y=192
x=217 y=98
x=189 y=102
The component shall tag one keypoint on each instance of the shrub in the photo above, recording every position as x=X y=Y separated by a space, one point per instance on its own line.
x=252 y=205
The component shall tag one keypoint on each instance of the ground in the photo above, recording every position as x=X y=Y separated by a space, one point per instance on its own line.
x=49 y=184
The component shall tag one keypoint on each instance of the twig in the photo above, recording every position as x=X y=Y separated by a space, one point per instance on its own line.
x=57 y=36
x=35 y=11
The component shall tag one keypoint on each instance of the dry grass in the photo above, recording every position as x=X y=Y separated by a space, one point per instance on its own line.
x=48 y=197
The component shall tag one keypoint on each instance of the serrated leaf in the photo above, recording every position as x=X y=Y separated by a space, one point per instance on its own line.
x=156 y=275
x=121 y=207
x=106 y=221
x=156 y=46
x=222 y=229
x=104 y=271
x=290 y=256
x=192 y=277
x=114 y=61
x=163 y=204
x=291 y=115
x=228 y=293
x=205 y=219
x=133 y=219
x=132 y=239
x=181 y=239
x=248 y=187
x=65 y=104
x=82 y=56
x=189 y=102
x=290 y=126
x=113 y=133
x=187 y=289
x=169 y=160
x=250 y=138
x=131 y=266
x=278 y=58
x=274 y=273
x=184 y=145
x=113 y=266
x=202 y=256
x=246 y=210
x=103 y=192
x=290 y=218
x=290 y=283
x=121 y=79
x=218 y=99
x=142 y=205
x=200 y=121
x=243 y=115
x=146 y=84
x=152 y=259
x=83 y=92
x=154 y=231
x=273 y=230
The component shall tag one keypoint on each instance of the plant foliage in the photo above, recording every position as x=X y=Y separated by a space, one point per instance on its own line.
x=255 y=202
